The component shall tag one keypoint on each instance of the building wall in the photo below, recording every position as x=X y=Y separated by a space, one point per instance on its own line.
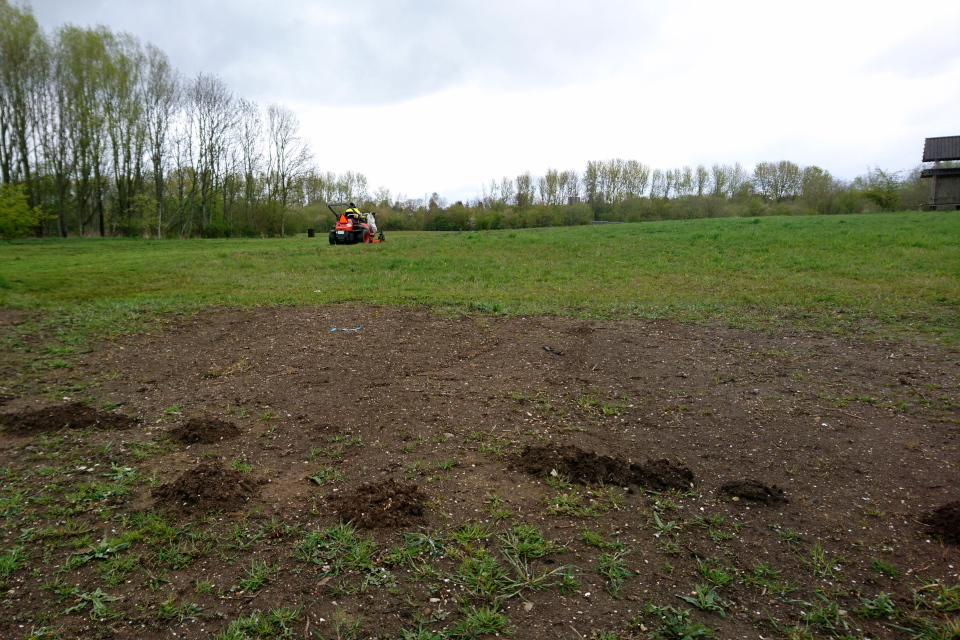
x=948 y=190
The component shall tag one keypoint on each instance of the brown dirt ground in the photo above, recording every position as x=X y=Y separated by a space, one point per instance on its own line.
x=860 y=434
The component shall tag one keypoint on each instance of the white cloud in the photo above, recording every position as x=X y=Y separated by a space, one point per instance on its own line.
x=425 y=96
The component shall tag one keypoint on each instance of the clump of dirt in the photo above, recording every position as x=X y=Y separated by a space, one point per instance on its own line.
x=68 y=416
x=945 y=520
x=204 y=430
x=208 y=486
x=753 y=490
x=382 y=505
x=660 y=475
x=587 y=467
x=576 y=464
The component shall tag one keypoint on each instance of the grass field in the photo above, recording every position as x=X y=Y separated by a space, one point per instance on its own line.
x=891 y=273
x=245 y=473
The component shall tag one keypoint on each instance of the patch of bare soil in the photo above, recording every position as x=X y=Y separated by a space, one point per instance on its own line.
x=387 y=504
x=203 y=430
x=753 y=490
x=862 y=435
x=64 y=416
x=945 y=521
x=207 y=487
x=588 y=467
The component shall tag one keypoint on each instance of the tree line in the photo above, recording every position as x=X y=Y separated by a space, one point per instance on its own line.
x=629 y=191
x=101 y=135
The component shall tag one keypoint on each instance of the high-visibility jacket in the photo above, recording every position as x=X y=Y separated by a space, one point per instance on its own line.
x=352 y=210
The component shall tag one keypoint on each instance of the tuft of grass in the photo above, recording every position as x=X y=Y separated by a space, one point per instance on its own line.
x=240 y=464
x=265 y=625
x=823 y=564
x=789 y=535
x=715 y=572
x=480 y=574
x=259 y=573
x=524 y=540
x=938 y=597
x=11 y=560
x=763 y=576
x=706 y=598
x=676 y=625
x=495 y=507
x=480 y=621
x=326 y=475
x=882 y=566
x=172 y=612
x=338 y=549
x=613 y=567
x=471 y=532
x=99 y=603
x=824 y=612
x=880 y=607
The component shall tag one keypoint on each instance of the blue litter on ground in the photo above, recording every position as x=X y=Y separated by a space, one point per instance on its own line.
x=354 y=329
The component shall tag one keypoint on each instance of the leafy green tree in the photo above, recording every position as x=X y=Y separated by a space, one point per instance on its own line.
x=17 y=217
x=882 y=188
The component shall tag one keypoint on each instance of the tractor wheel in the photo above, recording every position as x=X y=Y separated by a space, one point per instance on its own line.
x=333 y=237
x=367 y=238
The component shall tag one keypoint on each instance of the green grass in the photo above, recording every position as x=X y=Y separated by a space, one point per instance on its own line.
x=892 y=271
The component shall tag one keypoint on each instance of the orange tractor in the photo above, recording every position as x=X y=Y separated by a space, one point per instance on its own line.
x=352 y=227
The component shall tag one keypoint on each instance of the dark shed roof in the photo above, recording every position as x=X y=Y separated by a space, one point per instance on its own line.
x=947 y=148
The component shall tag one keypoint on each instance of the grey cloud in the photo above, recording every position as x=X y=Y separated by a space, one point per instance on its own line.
x=370 y=52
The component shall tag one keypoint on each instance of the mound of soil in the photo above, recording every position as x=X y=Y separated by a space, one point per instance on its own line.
x=203 y=431
x=67 y=416
x=382 y=505
x=753 y=490
x=945 y=520
x=660 y=475
x=208 y=486
x=587 y=467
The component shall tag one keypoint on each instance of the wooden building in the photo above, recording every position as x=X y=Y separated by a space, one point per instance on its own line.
x=944 y=181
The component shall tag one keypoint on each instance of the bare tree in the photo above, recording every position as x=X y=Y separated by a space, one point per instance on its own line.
x=776 y=181
x=53 y=118
x=250 y=134
x=82 y=59
x=738 y=179
x=23 y=63
x=212 y=110
x=701 y=180
x=636 y=178
x=525 y=190
x=658 y=184
x=720 y=175
x=507 y=190
x=124 y=84
x=184 y=182
x=161 y=101
x=569 y=185
x=288 y=156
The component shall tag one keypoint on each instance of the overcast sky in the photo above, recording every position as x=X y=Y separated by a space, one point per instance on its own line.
x=443 y=95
